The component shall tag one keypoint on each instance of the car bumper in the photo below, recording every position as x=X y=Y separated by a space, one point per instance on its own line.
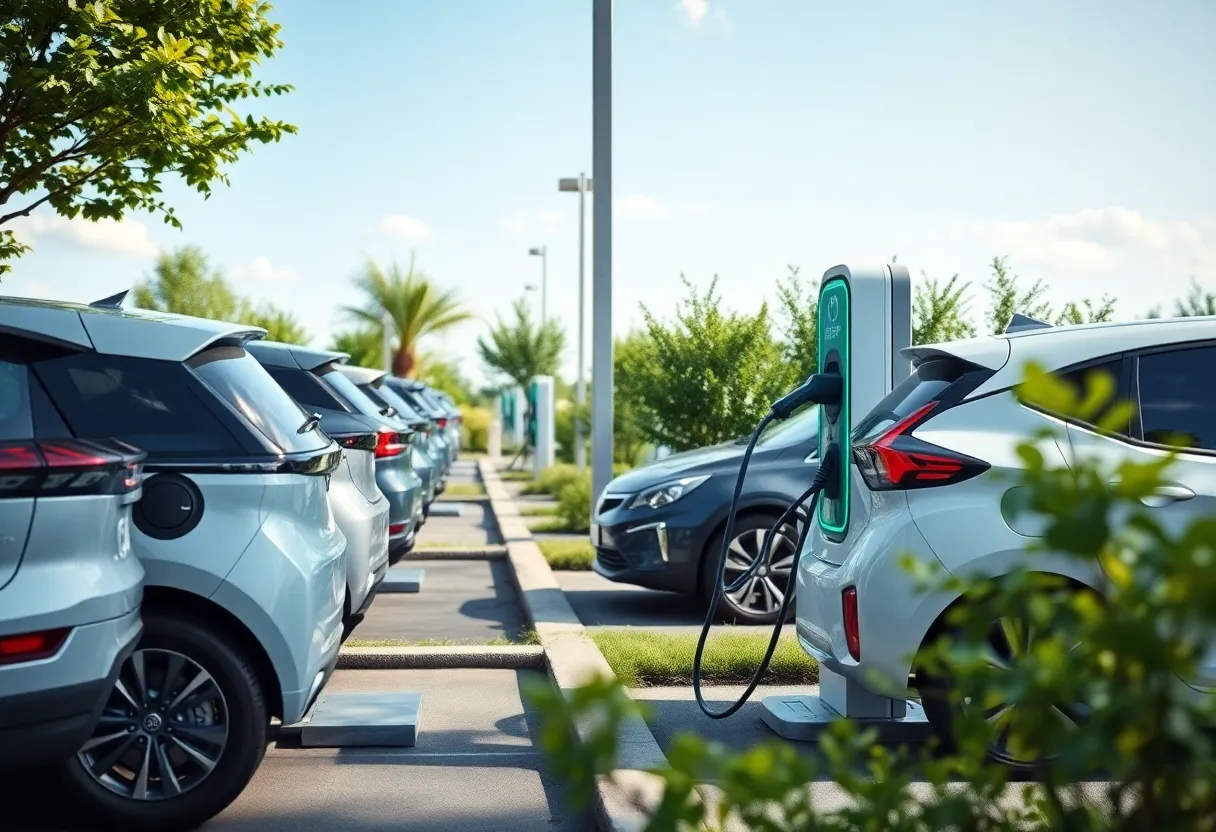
x=646 y=551
x=373 y=586
x=49 y=708
x=366 y=528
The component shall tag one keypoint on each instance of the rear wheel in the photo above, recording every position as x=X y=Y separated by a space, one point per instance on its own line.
x=759 y=600
x=182 y=734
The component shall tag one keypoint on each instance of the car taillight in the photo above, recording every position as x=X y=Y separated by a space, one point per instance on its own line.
x=443 y=423
x=358 y=441
x=896 y=460
x=30 y=647
x=852 y=632
x=68 y=467
x=396 y=529
x=388 y=443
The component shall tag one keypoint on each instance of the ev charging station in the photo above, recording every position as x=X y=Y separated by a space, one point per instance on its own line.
x=865 y=321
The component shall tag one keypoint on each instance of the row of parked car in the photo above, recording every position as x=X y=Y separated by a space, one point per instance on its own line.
x=192 y=519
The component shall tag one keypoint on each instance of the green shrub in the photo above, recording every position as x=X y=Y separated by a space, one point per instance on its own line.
x=476 y=428
x=572 y=555
x=574 y=503
x=552 y=479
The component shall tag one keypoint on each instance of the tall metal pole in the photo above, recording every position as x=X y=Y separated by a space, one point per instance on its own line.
x=544 y=284
x=580 y=387
x=601 y=290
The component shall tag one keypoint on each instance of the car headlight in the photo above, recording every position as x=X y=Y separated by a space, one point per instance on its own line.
x=667 y=493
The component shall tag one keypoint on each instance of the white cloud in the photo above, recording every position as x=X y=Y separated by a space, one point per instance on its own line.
x=36 y=289
x=535 y=223
x=641 y=207
x=1099 y=238
x=128 y=238
x=263 y=271
x=406 y=228
x=694 y=11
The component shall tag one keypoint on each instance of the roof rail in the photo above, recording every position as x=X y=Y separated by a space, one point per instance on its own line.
x=112 y=302
x=1022 y=323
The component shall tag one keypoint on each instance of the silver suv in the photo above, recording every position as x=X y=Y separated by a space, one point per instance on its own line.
x=245 y=576
x=69 y=586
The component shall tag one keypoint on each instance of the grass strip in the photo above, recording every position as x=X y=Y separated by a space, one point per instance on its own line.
x=511 y=475
x=570 y=555
x=555 y=525
x=537 y=511
x=645 y=658
x=464 y=489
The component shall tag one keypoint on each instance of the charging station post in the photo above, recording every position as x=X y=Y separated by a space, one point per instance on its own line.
x=865 y=321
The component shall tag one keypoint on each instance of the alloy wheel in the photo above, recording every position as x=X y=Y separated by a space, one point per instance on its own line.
x=1009 y=640
x=163 y=731
x=765 y=591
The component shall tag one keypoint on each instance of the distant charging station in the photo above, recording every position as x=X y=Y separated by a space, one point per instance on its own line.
x=865 y=321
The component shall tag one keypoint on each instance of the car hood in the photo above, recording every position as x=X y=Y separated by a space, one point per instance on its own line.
x=685 y=464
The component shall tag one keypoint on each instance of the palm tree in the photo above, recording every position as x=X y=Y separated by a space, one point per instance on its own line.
x=415 y=304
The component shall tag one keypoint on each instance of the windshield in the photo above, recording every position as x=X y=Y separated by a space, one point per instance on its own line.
x=244 y=383
x=349 y=391
x=404 y=411
x=802 y=427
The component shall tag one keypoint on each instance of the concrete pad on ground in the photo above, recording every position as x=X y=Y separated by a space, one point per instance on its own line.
x=474 y=526
x=465 y=600
x=674 y=711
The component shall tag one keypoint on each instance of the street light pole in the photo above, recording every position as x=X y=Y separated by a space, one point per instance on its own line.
x=543 y=254
x=582 y=185
x=601 y=290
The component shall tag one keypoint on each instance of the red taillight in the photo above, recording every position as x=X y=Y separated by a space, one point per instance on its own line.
x=68 y=466
x=852 y=632
x=443 y=423
x=396 y=529
x=896 y=460
x=388 y=443
x=30 y=647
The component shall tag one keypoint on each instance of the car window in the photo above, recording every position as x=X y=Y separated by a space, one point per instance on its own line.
x=306 y=388
x=802 y=427
x=927 y=383
x=404 y=411
x=1177 y=397
x=16 y=415
x=242 y=382
x=350 y=391
x=1080 y=379
x=415 y=401
x=147 y=403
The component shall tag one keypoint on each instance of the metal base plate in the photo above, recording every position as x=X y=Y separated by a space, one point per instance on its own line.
x=439 y=509
x=397 y=579
x=342 y=720
x=805 y=718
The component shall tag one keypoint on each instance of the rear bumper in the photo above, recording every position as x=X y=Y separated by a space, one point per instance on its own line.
x=47 y=724
x=376 y=579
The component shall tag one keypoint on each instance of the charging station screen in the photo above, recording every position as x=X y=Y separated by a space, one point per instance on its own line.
x=835 y=341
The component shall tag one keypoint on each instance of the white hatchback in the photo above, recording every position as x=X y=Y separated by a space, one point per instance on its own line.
x=934 y=465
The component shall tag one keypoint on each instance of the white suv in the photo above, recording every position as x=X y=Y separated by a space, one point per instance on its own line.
x=935 y=464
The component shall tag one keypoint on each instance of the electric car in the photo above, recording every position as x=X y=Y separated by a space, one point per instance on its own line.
x=397 y=473
x=70 y=587
x=435 y=443
x=455 y=421
x=425 y=464
x=439 y=440
x=245 y=579
x=661 y=526
x=934 y=471
x=360 y=509
x=448 y=415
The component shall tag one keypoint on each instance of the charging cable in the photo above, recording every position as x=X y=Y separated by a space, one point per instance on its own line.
x=821 y=388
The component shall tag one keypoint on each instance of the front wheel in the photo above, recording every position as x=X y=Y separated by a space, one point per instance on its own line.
x=181 y=736
x=759 y=600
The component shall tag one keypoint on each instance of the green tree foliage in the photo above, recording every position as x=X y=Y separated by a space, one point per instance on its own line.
x=798 y=306
x=1006 y=297
x=1141 y=751
x=280 y=325
x=520 y=349
x=444 y=374
x=630 y=438
x=939 y=311
x=100 y=101
x=724 y=367
x=364 y=345
x=415 y=304
x=1197 y=302
x=1087 y=312
x=184 y=282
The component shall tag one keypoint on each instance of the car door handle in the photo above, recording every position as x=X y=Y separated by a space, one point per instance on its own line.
x=1165 y=495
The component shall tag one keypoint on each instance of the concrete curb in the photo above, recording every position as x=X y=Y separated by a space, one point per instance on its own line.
x=445 y=498
x=574 y=659
x=478 y=657
x=472 y=553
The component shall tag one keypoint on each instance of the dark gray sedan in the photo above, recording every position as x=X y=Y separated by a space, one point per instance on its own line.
x=661 y=526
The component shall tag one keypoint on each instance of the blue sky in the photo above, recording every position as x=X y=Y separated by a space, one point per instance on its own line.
x=1077 y=138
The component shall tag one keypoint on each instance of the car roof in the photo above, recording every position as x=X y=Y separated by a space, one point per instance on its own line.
x=361 y=375
x=113 y=330
x=279 y=354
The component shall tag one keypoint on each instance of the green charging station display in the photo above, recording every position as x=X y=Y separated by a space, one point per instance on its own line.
x=835 y=423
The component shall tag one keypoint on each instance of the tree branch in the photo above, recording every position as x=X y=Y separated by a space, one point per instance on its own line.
x=25 y=212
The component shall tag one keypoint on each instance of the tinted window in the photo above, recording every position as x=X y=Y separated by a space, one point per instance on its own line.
x=349 y=391
x=1178 y=399
x=927 y=383
x=1080 y=380
x=382 y=404
x=305 y=388
x=397 y=403
x=242 y=382
x=803 y=426
x=417 y=402
x=16 y=416
x=149 y=404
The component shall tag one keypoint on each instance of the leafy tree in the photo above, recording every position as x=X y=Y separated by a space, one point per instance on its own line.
x=1006 y=298
x=711 y=375
x=444 y=374
x=1087 y=312
x=939 y=311
x=1196 y=303
x=798 y=304
x=184 y=282
x=522 y=350
x=280 y=325
x=416 y=305
x=99 y=101
x=364 y=345
x=630 y=357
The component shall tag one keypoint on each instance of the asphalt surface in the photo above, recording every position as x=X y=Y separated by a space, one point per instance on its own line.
x=474 y=527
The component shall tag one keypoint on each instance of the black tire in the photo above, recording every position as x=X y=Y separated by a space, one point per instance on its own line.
x=728 y=609
x=247 y=719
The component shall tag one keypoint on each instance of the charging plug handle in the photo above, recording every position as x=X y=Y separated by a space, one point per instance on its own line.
x=821 y=388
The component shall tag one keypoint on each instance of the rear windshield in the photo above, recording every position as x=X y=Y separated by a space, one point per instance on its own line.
x=418 y=402
x=349 y=391
x=306 y=388
x=16 y=416
x=402 y=407
x=244 y=383
x=927 y=383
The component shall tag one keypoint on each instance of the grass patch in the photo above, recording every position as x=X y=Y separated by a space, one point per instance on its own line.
x=571 y=555
x=555 y=525
x=643 y=658
x=464 y=489
x=527 y=637
x=537 y=511
x=511 y=475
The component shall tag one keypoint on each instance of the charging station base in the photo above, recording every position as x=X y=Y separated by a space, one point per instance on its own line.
x=344 y=720
x=397 y=579
x=806 y=718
